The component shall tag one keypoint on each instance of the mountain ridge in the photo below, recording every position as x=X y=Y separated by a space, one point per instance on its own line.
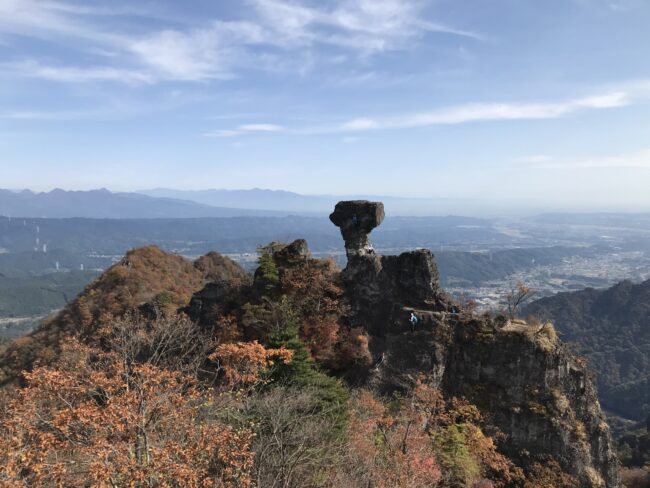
x=103 y=203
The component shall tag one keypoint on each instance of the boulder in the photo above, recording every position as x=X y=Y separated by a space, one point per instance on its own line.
x=294 y=253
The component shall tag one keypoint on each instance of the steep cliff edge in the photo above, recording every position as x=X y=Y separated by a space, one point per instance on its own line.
x=537 y=392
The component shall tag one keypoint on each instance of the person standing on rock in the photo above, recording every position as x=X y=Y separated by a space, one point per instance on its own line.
x=370 y=249
x=413 y=319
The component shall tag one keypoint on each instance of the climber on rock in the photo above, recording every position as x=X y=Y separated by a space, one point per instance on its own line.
x=413 y=319
x=370 y=249
x=355 y=220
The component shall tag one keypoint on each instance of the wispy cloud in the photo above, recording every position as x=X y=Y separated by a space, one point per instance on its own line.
x=486 y=112
x=218 y=48
x=222 y=133
x=534 y=158
x=244 y=129
x=365 y=25
x=450 y=115
x=637 y=160
x=34 y=69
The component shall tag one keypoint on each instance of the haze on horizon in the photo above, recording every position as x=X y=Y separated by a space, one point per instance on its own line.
x=523 y=103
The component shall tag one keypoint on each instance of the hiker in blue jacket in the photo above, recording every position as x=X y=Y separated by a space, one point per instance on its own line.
x=413 y=320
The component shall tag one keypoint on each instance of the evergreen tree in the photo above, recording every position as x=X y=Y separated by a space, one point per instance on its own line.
x=302 y=372
x=267 y=276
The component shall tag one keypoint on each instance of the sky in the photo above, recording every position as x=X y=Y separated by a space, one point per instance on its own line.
x=522 y=102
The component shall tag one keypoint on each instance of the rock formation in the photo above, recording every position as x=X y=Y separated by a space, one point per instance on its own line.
x=356 y=219
x=535 y=391
x=382 y=290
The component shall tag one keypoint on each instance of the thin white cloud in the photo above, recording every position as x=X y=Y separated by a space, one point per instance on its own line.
x=244 y=129
x=487 y=112
x=637 y=160
x=459 y=114
x=366 y=25
x=33 y=115
x=219 y=48
x=260 y=128
x=222 y=133
x=534 y=158
x=193 y=56
x=361 y=124
x=34 y=69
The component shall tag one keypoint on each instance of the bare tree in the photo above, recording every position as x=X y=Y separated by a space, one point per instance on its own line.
x=517 y=296
x=173 y=343
x=295 y=441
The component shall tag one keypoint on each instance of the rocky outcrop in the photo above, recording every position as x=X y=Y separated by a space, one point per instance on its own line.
x=379 y=288
x=356 y=219
x=216 y=267
x=292 y=254
x=524 y=379
x=535 y=391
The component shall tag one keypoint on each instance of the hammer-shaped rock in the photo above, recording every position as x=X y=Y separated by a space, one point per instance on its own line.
x=356 y=219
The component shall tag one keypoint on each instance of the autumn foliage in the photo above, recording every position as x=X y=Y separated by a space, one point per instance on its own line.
x=246 y=393
x=388 y=449
x=98 y=421
x=422 y=440
x=243 y=363
x=144 y=275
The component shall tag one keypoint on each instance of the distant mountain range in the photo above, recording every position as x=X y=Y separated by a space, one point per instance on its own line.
x=277 y=200
x=170 y=203
x=285 y=201
x=256 y=202
x=103 y=204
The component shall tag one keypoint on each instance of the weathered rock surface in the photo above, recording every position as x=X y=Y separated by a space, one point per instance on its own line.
x=529 y=384
x=295 y=253
x=537 y=392
x=356 y=219
x=379 y=287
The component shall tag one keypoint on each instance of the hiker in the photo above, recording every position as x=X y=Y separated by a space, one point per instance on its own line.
x=370 y=249
x=413 y=320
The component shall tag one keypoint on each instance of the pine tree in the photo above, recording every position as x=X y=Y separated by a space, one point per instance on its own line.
x=302 y=372
x=267 y=276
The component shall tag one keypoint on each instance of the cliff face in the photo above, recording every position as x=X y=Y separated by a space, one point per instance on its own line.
x=612 y=328
x=537 y=392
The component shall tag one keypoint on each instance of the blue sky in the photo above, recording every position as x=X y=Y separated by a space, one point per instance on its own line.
x=516 y=101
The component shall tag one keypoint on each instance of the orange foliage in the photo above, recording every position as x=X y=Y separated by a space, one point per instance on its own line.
x=312 y=287
x=96 y=422
x=216 y=267
x=315 y=293
x=146 y=274
x=393 y=445
x=320 y=335
x=389 y=450
x=244 y=362
x=441 y=413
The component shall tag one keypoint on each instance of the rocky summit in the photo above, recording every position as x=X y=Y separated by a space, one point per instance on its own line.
x=522 y=377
